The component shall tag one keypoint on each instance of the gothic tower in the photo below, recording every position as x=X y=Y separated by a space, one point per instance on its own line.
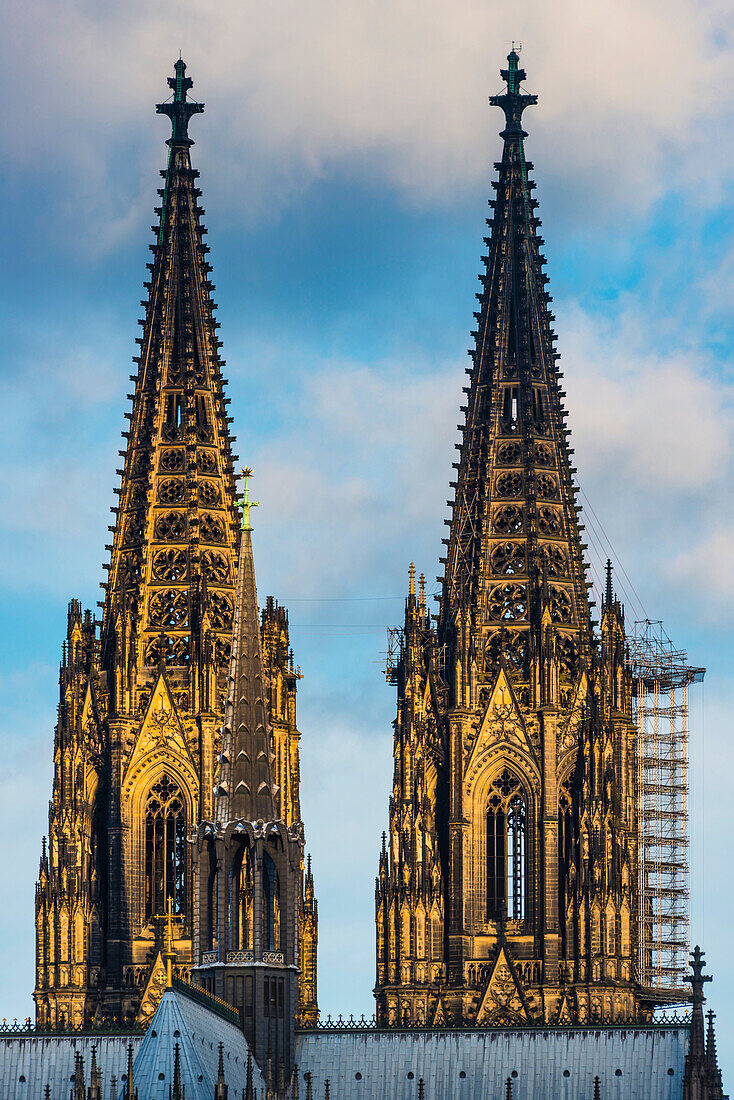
x=506 y=886
x=247 y=861
x=142 y=691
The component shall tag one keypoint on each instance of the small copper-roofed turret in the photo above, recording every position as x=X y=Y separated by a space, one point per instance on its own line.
x=245 y=787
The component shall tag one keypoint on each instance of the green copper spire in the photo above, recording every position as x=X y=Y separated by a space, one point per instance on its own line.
x=244 y=501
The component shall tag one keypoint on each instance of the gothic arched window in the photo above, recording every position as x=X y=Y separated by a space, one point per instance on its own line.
x=271 y=905
x=165 y=849
x=241 y=909
x=565 y=840
x=507 y=815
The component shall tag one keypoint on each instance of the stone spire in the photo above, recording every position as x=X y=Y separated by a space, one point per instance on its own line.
x=514 y=546
x=169 y=596
x=508 y=699
x=245 y=787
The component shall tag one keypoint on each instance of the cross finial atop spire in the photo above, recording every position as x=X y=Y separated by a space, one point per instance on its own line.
x=170 y=953
x=511 y=101
x=180 y=109
x=244 y=501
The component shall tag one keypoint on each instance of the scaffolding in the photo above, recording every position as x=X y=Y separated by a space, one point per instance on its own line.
x=661 y=677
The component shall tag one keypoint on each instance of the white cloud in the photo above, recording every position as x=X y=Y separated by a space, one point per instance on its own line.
x=707 y=568
x=391 y=90
x=660 y=423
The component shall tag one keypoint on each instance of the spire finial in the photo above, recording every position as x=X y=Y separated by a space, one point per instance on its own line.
x=411 y=575
x=511 y=101
x=179 y=109
x=130 y=1076
x=610 y=586
x=422 y=592
x=177 y=1073
x=244 y=501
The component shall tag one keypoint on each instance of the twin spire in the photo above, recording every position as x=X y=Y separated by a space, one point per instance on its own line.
x=514 y=549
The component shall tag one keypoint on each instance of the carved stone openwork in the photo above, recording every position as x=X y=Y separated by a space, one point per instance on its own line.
x=216 y=568
x=508 y=601
x=174 y=459
x=512 y=646
x=207 y=462
x=508 y=454
x=168 y=609
x=170 y=565
x=543 y=455
x=209 y=494
x=567 y=651
x=508 y=485
x=220 y=611
x=171 y=526
x=134 y=528
x=508 y=558
x=561 y=605
x=165 y=849
x=168 y=649
x=553 y=560
x=171 y=491
x=549 y=521
x=508 y=519
x=546 y=487
x=211 y=528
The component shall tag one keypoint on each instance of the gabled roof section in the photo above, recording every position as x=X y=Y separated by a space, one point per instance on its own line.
x=245 y=787
x=514 y=546
x=181 y=1021
x=171 y=573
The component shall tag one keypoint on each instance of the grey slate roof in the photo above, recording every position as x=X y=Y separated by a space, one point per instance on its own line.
x=539 y=1058
x=384 y=1059
x=28 y=1064
x=178 y=1019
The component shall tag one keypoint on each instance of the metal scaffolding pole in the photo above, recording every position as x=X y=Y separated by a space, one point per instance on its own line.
x=660 y=698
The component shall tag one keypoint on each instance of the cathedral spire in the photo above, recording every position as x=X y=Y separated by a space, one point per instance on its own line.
x=514 y=547
x=246 y=787
x=169 y=596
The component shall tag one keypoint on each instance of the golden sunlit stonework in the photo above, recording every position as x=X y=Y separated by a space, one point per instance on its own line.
x=142 y=687
x=531 y=893
x=507 y=884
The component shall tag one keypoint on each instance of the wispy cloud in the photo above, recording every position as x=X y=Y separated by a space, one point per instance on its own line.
x=632 y=97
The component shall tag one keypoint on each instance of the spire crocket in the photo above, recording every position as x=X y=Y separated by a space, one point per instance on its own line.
x=507 y=857
x=143 y=690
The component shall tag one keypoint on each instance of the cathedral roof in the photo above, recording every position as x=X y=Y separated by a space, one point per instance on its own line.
x=245 y=787
x=181 y=1021
x=464 y=1065
x=368 y=1065
x=514 y=548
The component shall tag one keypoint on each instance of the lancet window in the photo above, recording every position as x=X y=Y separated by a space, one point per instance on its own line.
x=241 y=909
x=271 y=905
x=165 y=849
x=565 y=835
x=507 y=823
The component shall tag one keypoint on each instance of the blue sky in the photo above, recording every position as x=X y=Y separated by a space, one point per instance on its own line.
x=346 y=154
